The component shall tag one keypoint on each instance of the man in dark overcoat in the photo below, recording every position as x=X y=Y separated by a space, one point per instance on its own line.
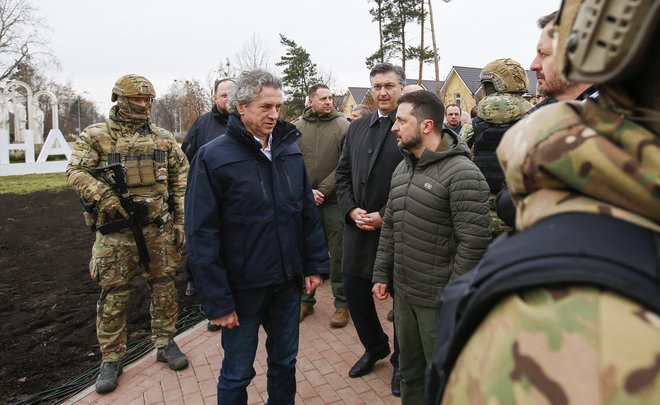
x=363 y=184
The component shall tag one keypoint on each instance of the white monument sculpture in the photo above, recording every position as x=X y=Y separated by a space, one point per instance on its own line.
x=29 y=130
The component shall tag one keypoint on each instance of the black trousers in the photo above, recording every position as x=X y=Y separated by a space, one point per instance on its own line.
x=365 y=318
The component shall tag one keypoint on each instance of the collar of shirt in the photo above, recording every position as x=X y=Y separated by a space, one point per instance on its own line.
x=266 y=151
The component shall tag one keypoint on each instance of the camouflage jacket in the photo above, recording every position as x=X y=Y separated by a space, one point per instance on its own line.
x=101 y=142
x=581 y=157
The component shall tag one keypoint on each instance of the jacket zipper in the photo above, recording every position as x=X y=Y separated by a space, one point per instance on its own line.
x=286 y=173
x=261 y=181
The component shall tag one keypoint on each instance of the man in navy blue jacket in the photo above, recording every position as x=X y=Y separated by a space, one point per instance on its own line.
x=254 y=233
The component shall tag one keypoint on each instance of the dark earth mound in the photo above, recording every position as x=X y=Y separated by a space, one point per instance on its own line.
x=47 y=298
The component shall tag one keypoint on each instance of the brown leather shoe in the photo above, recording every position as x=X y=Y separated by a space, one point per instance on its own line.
x=340 y=318
x=304 y=311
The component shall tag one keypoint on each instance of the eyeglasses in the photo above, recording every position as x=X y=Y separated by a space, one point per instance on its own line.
x=388 y=87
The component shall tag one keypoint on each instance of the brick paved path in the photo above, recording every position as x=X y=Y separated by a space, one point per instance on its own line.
x=326 y=354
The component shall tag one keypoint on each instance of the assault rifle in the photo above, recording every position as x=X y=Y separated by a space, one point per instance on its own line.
x=137 y=211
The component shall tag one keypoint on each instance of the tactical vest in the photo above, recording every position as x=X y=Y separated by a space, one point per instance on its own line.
x=145 y=162
x=486 y=139
x=575 y=249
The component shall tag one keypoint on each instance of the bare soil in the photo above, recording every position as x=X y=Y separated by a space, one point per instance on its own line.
x=47 y=298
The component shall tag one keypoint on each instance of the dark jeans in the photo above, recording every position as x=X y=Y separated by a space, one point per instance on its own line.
x=365 y=318
x=279 y=313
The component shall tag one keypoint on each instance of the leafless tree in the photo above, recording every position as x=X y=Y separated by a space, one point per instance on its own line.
x=177 y=109
x=21 y=37
x=253 y=55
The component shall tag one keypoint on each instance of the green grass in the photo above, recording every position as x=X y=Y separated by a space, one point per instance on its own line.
x=32 y=182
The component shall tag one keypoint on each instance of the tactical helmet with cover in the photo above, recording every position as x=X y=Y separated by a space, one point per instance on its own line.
x=506 y=75
x=602 y=41
x=133 y=85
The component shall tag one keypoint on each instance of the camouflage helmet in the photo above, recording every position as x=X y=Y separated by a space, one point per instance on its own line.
x=133 y=86
x=506 y=75
x=601 y=41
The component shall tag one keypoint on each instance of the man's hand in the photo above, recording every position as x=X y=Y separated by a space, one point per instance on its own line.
x=356 y=213
x=228 y=321
x=319 y=198
x=109 y=206
x=311 y=282
x=380 y=291
x=369 y=222
x=179 y=236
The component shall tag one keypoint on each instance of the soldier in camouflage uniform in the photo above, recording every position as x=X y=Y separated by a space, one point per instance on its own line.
x=504 y=82
x=154 y=166
x=586 y=330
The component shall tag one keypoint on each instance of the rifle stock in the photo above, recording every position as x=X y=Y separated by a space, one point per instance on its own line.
x=137 y=211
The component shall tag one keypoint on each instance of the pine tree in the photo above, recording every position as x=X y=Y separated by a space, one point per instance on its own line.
x=299 y=75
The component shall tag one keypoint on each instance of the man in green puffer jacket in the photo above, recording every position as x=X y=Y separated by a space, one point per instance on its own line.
x=436 y=228
x=323 y=131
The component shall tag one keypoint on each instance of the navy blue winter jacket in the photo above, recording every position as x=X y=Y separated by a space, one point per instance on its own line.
x=250 y=222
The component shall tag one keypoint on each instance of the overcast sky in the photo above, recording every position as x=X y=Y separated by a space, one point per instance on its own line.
x=97 y=41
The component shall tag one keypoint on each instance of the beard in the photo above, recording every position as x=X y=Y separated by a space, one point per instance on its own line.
x=553 y=86
x=413 y=143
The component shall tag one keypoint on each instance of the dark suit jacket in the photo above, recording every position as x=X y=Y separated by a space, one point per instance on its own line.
x=360 y=246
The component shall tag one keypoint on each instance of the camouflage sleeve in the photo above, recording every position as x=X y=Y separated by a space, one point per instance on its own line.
x=467 y=132
x=80 y=170
x=177 y=167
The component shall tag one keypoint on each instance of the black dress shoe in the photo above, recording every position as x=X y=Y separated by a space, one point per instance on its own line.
x=396 y=382
x=366 y=363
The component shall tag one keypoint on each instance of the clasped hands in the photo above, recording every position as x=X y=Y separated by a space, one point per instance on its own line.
x=367 y=221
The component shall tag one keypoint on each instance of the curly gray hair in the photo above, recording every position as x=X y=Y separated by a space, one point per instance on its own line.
x=249 y=85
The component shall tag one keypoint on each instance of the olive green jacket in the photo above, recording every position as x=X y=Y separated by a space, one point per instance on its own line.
x=436 y=225
x=321 y=143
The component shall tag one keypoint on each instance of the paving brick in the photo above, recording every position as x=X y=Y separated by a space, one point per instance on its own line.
x=328 y=394
x=203 y=372
x=189 y=385
x=326 y=354
x=315 y=401
x=208 y=387
x=153 y=395
x=336 y=381
x=306 y=390
x=173 y=397
x=193 y=398
x=315 y=378
x=349 y=396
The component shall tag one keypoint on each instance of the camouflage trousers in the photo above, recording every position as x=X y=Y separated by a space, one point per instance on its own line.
x=113 y=264
x=561 y=346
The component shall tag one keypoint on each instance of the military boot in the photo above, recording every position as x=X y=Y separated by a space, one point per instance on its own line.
x=171 y=355
x=107 y=379
x=340 y=318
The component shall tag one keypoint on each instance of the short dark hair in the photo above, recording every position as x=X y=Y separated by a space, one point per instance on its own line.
x=382 y=68
x=547 y=19
x=460 y=110
x=312 y=90
x=425 y=105
x=218 y=81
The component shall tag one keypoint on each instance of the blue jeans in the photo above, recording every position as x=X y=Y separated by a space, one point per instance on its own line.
x=279 y=313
